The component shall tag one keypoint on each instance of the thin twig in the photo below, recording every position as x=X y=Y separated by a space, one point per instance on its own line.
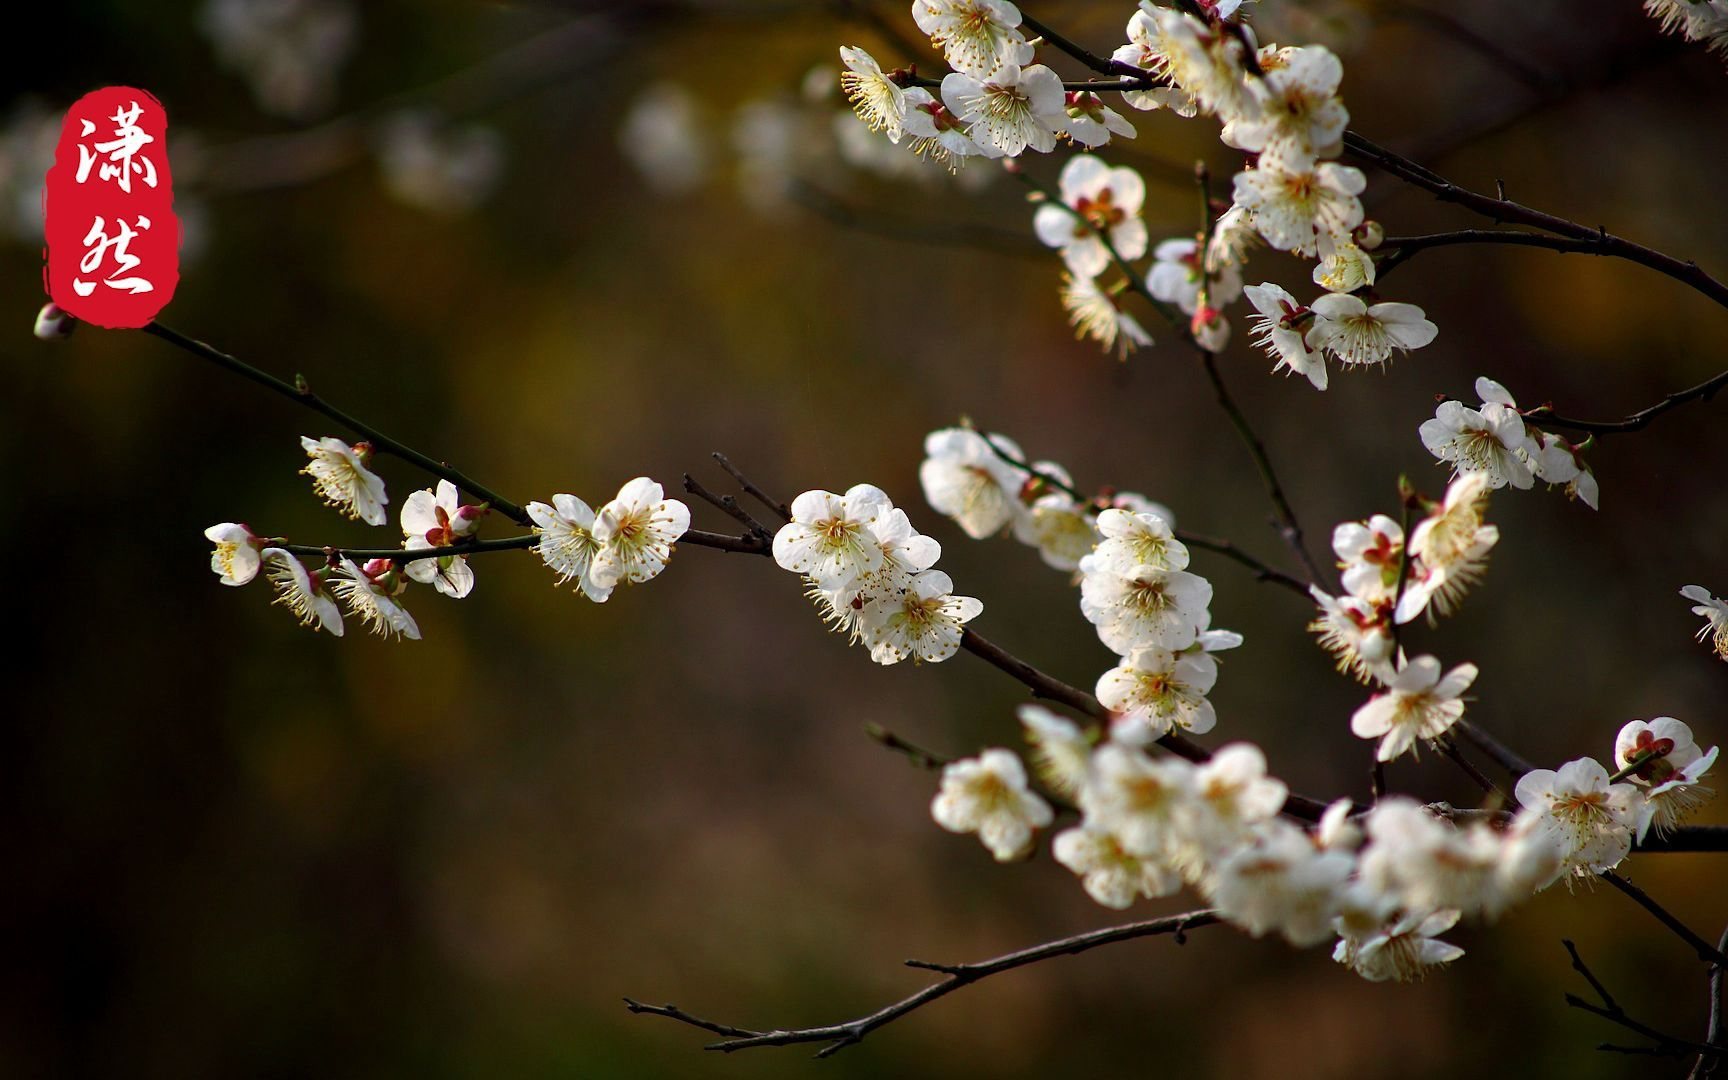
x=850 y=1032
x=1706 y=1064
x=1706 y=951
x=1610 y=1010
x=1503 y=755
x=751 y=489
x=304 y=396
x=917 y=755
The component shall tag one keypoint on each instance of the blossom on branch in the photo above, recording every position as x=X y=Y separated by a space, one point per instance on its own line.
x=1010 y=110
x=1669 y=768
x=966 y=480
x=342 y=479
x=1418 y=703
x=978 y=37
x=1359 y=334
x=922 y=622
x=1100 y=211
x=988 y=795
x=371 y=593
x=236 y=558
x=567 y=544
x=1591 y=819
x=439 y=520
x=878 y=100
x=1715 y=612
x=305 y=592
x=635 y=533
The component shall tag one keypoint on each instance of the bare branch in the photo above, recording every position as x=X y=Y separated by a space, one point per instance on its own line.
x=850 y=1032
x=1706 y=951
x=1666 y=1045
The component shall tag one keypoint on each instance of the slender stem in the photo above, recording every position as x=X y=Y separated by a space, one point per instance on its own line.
x=1704 y=391
x=1288 y=525
x=1489 y=787
x=1502 y=754
x=917 y=755
x=301 y=394
x=1714 y=1031
x=403 y=555
x=850 y=1032
x=1706 y=951
x=1610 y=1010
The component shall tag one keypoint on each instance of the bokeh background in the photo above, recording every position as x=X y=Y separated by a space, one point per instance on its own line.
x=567 y=244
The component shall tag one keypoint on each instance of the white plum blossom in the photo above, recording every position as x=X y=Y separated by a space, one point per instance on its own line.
x=1279 y=326
x=1428 y=864
x=1492 y=439
x=1453 y=543
x=305 y=593
x=664 y=136
x=1011 y=109
x=978 y=37
x=878 y=100
x=1131 y=539
x=1295 y=211
x=1137 y=799
x=1109 y=873
x=1298 y=118
x=923 y=623
x=1143 y=51
x=1100 y=210
x=371 y=593
x=1234 y=237
x=567 y=543
x=932 y=131
x=1419 y=703
x=1281 y=882
x=1231 y=796
x=1060 y=749
x=988 y=795
x=966 y=480
x=1357 y=632
x=1669 y=766
x=1345 y=268
x=1359 y=334
x=1557 y=462
x=829 y=537
x=1209 y=329
x=1144 y=607
x=287 y=51
x=439 y=520
x=237 y=556
x=1369 y=553
x=1155 y=691
x=1091 y=123
x=1205 y=62
x=1591 y=819
x=1715 y=612
x=1095 y=314
x=1403 y=951
x=905 y=552
x=1178 y=277
x=635 y=533
x=340 y=476
x=432 y=164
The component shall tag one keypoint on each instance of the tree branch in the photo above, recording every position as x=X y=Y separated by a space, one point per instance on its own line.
x=1706 y=951
x=851 y=1032
x=1666 y=1045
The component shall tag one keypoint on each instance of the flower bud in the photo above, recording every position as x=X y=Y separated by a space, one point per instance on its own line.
x=54 y=324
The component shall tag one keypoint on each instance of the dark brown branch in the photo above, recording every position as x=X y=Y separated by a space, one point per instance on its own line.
x=1284 y=515
x=304 y=396
x=1717 y=1027
x=726 y=504
x=848 y=1033
x=403 y=555
x=1666 y=1045
x=917 y=755
x=751 y=489
x=1507 y=211
x=1502 y=755
x=1706 y=951
x=1405 y=248
x=1704 y=391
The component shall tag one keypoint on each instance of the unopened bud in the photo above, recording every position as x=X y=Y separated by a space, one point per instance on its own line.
x=54 y=324
x=1370 y=235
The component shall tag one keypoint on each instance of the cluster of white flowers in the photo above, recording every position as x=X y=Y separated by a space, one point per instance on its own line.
x=871 y=574
x=627 y=542
x=430 y=163
x=1448 y=553
x=1696 y=20
x=1594 y=817
x=1495 y=440
x=1382 y=884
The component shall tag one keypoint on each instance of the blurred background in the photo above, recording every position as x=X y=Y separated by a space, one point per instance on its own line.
x=564 y=244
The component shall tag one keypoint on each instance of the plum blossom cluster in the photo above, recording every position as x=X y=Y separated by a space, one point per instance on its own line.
x=1135 y=587
x=1381 y=885
x=1495 y=440
x=628 y=541
x=872 y=575
x=1595 y=816
x=1389 y=579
